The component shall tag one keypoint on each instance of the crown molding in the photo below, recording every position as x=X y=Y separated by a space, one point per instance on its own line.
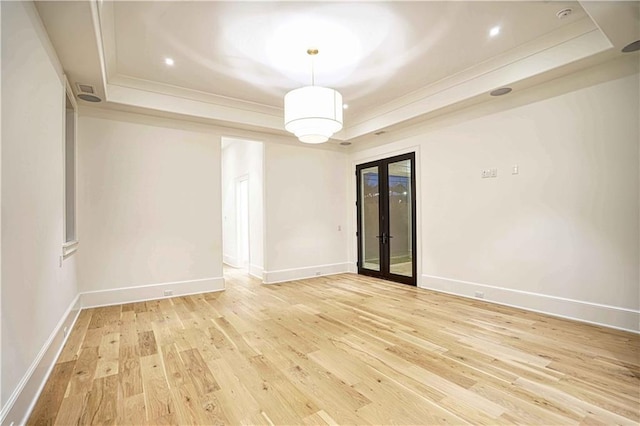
x=589 y=37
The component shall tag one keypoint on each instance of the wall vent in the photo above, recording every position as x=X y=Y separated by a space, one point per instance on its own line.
x=85 y=88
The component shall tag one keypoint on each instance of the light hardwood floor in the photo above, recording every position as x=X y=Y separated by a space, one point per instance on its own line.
x=344 y=349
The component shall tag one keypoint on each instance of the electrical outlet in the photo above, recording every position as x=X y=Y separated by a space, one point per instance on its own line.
x=65 y=331
x=317 y=274
x=480 y=294
x=168 y=292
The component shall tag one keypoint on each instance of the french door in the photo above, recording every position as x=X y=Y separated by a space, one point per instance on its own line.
x=387 y=218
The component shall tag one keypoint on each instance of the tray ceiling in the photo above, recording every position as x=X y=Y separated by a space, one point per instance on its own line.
x=392 y=61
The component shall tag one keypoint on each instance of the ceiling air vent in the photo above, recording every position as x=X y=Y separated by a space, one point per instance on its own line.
x=86 y=92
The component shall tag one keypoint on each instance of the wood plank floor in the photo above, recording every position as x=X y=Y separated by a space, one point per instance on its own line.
x=344 y=349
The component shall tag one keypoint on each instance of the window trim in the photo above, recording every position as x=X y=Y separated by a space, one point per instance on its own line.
x=69 y=247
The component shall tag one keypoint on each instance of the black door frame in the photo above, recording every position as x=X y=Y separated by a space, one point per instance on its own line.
x=383 y=216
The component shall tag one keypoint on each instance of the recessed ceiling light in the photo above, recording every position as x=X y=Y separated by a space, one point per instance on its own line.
x=561 y=14
x=168 y=61
x=494 y=31
x=345 y=106
x=501 y=91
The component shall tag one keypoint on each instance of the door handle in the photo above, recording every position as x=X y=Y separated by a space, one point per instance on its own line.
x=384 y=238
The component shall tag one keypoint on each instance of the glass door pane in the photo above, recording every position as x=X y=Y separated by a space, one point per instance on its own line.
x=387 y=218
x=370 y=196
x=400 y=218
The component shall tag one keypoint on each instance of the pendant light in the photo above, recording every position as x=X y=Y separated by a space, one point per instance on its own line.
x=313 y=113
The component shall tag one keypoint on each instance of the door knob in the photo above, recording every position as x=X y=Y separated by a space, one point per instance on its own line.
x=384 y=238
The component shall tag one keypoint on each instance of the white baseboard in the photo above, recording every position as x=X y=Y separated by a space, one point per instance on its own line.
x=256 y=271
x=21 y=402
x=593 y=313
x=230 y=260
x=272 y=277
x=117 y=296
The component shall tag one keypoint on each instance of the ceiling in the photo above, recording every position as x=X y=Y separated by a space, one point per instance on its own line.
x=393 y=62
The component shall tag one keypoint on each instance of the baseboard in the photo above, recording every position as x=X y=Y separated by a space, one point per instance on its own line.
x=273 y=277
x=230 y=260
x=593 y=313
x=256 y=271
x=21 y=402
x=117 y=296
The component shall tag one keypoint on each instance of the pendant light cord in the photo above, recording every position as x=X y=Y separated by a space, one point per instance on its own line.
x=312 y=53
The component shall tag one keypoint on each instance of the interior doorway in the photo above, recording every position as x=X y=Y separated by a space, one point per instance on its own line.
x=243 y=205
x=387 y=218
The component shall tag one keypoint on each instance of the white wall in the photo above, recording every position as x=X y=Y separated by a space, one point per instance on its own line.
x=562 y=236
x=37 y=290
x=1 y=404
x=242 y=158
x=305 y=203
x=149 y=207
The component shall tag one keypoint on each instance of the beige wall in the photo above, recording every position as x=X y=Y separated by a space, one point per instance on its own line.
x=37 y=288
x=149 y=206
x=1 y=403
x=562 y=235
x=305 y=203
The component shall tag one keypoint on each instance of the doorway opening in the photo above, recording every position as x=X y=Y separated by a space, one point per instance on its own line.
x=242 y=206
x=386 y=218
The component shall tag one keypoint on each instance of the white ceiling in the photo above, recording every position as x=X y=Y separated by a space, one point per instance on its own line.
x=392 y=61
x=371 y=52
